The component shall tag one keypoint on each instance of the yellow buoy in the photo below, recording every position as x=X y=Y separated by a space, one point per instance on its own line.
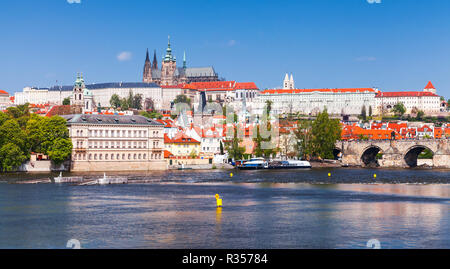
x=329 y=174
x=231 y=174
x=374 y=175
x=218 y=201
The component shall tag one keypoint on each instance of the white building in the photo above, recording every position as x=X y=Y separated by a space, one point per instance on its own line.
x=427 y=100
x=101 y=93
x=311 y=101
x=5 y=100
x=115 y=143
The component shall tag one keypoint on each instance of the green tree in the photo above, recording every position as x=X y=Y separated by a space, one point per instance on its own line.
x=60 y=150
x=115 y=101
x=304 y=138
x=124 y=104
x=257 y=151
x=325 y=133
x=151 y=114
x=221 y=148
x=182 y=99
x=34 y=133
x=137 y=101
x=129 y=99
x=10 y=132
x=234 y=150
x=66 y=101
x=318 y=138
x=363 y=113
x=53 y=128
x=14 y=112
x=399 y=109
x=11 y=157
x=420 y=115
x=3 y=117
x=269 y=107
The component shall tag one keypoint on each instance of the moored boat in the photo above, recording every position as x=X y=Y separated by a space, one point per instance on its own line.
x=254 y=164
x=289 y=164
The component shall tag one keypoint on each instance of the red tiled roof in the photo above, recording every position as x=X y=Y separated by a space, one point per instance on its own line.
x=3 y=92
x=180 y=139
x=280 y=91
x=167 y=154
x=405 y=94
x=430 y=86
x=221 y=86
x=210 y=85
x=246 y=86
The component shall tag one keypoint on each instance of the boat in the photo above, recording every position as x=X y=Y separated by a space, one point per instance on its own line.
x=111 y=180
x=184 y=168
x=289 y=164
x=59 y=179
x=254 y=164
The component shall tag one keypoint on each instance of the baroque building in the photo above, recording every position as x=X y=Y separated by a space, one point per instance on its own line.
x=115 y=143
x=81 y=99
x=170 y=74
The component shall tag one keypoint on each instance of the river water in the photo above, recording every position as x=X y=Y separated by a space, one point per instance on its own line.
x=262 y=209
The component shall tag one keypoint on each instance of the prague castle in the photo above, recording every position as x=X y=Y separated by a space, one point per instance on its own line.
x=170 y=74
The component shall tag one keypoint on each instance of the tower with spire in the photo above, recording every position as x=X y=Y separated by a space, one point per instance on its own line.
x=147 y=78
x=155 y=61
x=288 y=83
x=169 y=66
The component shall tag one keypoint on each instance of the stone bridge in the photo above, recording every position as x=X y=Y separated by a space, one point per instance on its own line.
x=395 y=153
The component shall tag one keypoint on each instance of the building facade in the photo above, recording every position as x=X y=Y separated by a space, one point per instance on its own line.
x=5 y=100
x=311 y=101
x=115 y=143
x=427 y=100
x=170 y=74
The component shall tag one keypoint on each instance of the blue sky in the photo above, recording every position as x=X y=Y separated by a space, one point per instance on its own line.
x=393 y=45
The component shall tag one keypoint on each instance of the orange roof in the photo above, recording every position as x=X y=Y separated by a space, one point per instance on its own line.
x=280 y=91
x=430 y=86
x=183 y=138
x=210 y=85
x=405 y=94
x=3 y=92
x=167 y=154
x=246 y=86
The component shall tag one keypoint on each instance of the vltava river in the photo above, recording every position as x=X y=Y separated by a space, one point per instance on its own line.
x=262 y=209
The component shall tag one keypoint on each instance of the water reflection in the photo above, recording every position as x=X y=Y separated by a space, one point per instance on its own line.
x=269 y=213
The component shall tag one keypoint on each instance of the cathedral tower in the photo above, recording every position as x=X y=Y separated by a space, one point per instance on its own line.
x=147 y=70
x=155 y=62
x=169 y=65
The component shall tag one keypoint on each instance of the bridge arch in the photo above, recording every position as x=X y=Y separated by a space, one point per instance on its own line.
x=369 y=156
x=337 y=153
x=412 y=154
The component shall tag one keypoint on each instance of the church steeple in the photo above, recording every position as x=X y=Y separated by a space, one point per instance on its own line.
x=155 y=61
x=147 y=59
x=184 y=60
x=169 y=57
x=147 y=76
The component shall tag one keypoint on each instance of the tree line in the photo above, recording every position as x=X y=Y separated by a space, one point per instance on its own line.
x=22 y=133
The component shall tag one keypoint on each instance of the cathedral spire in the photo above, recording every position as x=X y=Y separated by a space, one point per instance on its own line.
x=168 y=57
x=147 y=59
x=184 y=60
x=155 y=61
